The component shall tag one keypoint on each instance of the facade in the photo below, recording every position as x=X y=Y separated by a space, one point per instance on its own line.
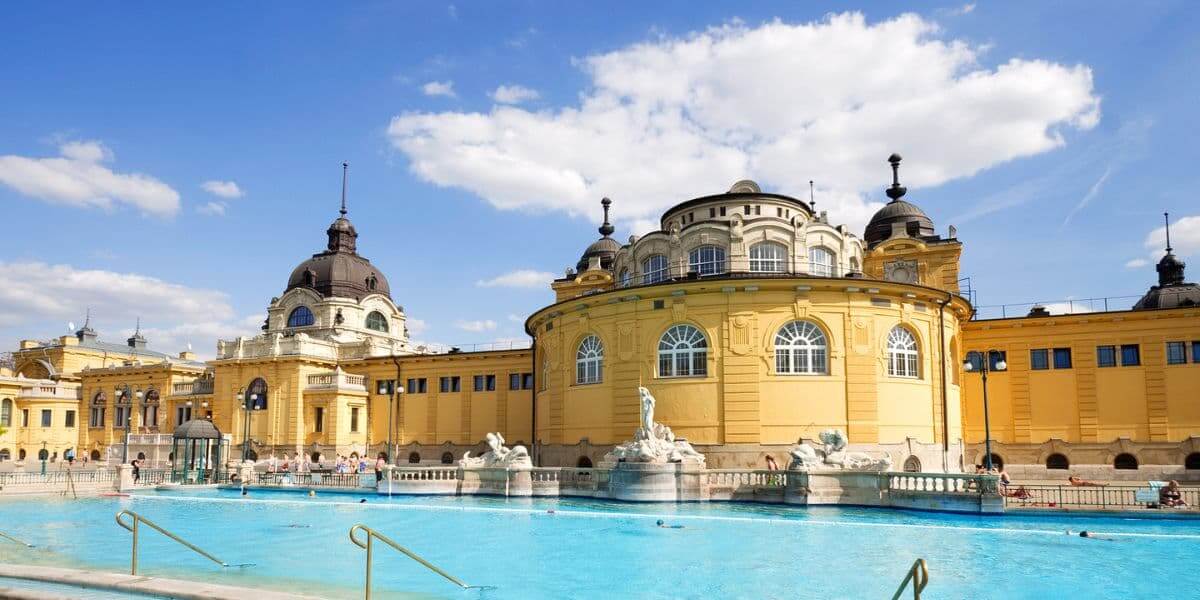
x=754 y=320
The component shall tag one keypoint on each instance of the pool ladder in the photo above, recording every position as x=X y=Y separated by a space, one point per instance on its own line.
x=15 y=540
x=133 y=527
x=367 y=545
x=918 y=574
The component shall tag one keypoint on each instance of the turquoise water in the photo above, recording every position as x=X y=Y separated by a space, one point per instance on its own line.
x=595 y=549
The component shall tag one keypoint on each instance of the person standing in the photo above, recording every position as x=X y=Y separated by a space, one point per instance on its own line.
x=380 y=463
x=137 y=470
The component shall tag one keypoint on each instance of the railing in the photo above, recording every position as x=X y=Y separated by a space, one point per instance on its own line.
x=153 y=476
x=735 y=478
x=336 y=379
x=133 y=527
x=1092 y=496
x=368 y=546
x=57 y=391
x=192 y=388
x=15 y=540
x=434 y=348
x=425 y=474
x=319 y=479
x=765 y=270
x=942 y=483
x=545 y=474
x=918 y=575
x=1070 y=306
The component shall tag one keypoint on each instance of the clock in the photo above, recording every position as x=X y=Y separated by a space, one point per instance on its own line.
x=901 y=271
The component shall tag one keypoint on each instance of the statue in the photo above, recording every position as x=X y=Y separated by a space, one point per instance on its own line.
x=498 y=455
x=653 y=442
x=833 y=455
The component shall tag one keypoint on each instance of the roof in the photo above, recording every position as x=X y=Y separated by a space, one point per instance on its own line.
x=339 y=270
x=1172 y=291
x=917 y=223
x=197 y=429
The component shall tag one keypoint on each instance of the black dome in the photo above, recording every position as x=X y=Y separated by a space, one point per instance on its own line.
x=916 y=222
x=340 y=271
x=605 y=248
x=197 y=429
x=1172 y=290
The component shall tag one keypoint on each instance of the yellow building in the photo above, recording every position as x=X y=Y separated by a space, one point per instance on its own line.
x=754 y=320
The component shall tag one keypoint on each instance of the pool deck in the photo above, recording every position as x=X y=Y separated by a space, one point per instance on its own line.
x=137 y=584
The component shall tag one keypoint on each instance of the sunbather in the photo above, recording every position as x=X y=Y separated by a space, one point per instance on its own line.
x=1077 y=481
x=1169 y=495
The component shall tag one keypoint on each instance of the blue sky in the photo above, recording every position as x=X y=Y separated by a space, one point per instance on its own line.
x=1053 y=135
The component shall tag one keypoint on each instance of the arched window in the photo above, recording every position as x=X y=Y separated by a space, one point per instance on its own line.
x=707 y=260
x=5 y=454
x=377 y=322
x=315 y=457
x=800 y=349
x=150 y=408
x=43 y=454
x=1192 y=462
x=682 y=352
x=589 y=361
x=447 y=458
x=654 y=269
x=414 y=458
x=95 y=455
x=96 y=414
x=768 y=257
x=902 y=353
x=584 y=462
x=1057 y=462
x=624 y=279
x=820 y=262
x=21 y=454
x=256 y=394
x=912 y=464
x=6 y=412
x=1125 y=462
x=854 y=268
x=301 y=317
x=997 y=462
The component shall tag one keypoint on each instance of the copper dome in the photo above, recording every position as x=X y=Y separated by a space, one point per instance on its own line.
x=339 y=270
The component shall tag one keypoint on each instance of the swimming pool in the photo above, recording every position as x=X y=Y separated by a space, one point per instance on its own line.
x=597 y=549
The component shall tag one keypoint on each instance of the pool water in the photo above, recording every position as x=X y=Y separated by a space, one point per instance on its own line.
x=596 y=549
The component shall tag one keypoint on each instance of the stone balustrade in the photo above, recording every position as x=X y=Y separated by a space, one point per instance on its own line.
x=51 y=391
x=337 y=380
x=196 y=387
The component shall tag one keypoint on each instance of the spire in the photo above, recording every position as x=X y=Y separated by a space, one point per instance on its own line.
x=1167 y=222
x=606 y=229
x=345 y=174
x=86 y=333
x=897 y=191
x=812 y=196
x=137 y=340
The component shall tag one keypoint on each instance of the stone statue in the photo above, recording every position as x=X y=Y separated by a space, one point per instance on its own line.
x=833 y=455
x=653 y=442
x=498 y=455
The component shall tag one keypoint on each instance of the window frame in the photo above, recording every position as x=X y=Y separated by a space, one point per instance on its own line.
x=380 y=322
x=1060 y=352
x=655 y=268
x=1042 y=364
x=1136 y=351
x=294 y=317
x=903 y=362
x=589 y=360
x=1181 y=359
x=1104 y=362
x=47 y=417
x=758 y=261
x=708 y=259
x=682 y=345
x=821 y=268
x=789 y=352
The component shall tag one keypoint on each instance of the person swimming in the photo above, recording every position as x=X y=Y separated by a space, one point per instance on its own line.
x=664 y=525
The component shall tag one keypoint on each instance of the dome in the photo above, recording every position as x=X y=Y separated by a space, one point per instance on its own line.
x=198 y=429
x=1172 y=290
x=339 y=270
x=914 y=220
x=604 y=248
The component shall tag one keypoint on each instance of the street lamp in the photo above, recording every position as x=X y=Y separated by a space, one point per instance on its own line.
x=123 y=397
x=249 y=404
x=985 y=365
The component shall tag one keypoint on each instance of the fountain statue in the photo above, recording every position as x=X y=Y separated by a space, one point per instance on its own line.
x=653 y=442
x=833 y=455
x=498 y=456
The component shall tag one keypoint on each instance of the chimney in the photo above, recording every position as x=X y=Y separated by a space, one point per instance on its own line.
x=187 y=355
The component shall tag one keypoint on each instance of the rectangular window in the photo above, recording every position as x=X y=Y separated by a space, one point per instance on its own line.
x=757 y=210
x=421 y=386
x=527 y=381
x=96 y=418
x=1039 y=360
x=747 y=210
x=70 y=420
x=354 y=420
x=994 y=359
x=1176 y=353
x=479 y=383
x=1130 y=355
x=454 y=384
x=1196 y=351
x=24 y=417
x=1062 y=358
x=183 y=414
x=712 y=212
x=319 y=419
x=490 y=383
x=722 y=211
x=976 y=360
x=514 y=381
x=46 y=418
x=1106 y=356
x=444 y=385
x=411 y=386
x=385 y=386
x=121 y=417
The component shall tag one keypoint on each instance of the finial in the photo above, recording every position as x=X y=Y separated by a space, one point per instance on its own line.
x=138 y=328
x=897 y=191
x=345 y=168
x=812 y=196
x=87 y=319
x=606 y=229
x=1167 y=221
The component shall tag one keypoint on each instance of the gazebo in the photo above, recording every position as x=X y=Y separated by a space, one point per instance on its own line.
x=196 y=452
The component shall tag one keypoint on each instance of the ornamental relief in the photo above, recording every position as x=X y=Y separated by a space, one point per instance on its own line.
x=860 y=334
x=626 y=344
x=740 y=333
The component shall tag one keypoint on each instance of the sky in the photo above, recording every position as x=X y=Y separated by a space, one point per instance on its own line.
x=174 y=165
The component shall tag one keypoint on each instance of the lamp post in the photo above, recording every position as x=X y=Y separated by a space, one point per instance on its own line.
x=123 y=396
x=984 y=359
x=42 y=455
x=249 y=405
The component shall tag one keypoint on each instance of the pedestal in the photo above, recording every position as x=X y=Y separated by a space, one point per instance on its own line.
x=124 y=478
x=656 y=482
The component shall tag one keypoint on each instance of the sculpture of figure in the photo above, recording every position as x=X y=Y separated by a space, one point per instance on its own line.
x=498 y=455
x=653 y=442
x=833 y=454
x=804 y=457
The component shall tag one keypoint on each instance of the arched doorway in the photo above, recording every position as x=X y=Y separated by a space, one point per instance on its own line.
x=583 y=462
x=43 y=454
x=1125 y=462
x=447 y=458
x=414 y=458
x=95 y=455
x=912 y=464
x=1058 y=462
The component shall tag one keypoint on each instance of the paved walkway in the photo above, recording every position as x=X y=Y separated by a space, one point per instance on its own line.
x=138 y=584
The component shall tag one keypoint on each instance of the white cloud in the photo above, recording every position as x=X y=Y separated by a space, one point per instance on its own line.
x=215 y=208
x=673 y=118
x=416 y=326
x=78 y=178
x=1136 y=263
x=224 y=189
x=39 y=293
x=957 y=11
x=478 y=326
x=1185 y=238
x=516 y=318
x=521 y=278
x=1090 y=195
x=452 y=10
x=439 y=88
x=1068 y=308
x=514 y=94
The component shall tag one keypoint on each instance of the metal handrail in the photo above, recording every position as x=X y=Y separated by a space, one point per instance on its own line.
x=15 y=540
x=367 y=545
x=918 y=574
x=134 y=529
